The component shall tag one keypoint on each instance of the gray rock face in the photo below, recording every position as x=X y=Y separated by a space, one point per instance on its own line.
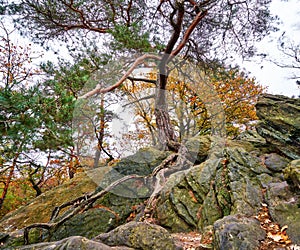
x=228 y=190
x=275 y=162
x=141 y=163
x=88 y=224
x=280 y=123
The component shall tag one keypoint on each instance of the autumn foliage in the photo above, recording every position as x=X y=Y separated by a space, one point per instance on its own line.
x=238 y=94
x=236 y=91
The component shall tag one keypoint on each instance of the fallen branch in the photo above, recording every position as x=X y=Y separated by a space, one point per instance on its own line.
x=99 y=90
x=84 y=205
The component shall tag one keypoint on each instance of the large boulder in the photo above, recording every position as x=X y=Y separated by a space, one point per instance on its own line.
x=142 y=163
x=280 y=123
x=237 y=233
x=132 y=235
x=139 y=235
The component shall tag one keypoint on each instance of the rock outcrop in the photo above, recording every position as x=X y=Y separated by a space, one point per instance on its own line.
x=223 y=193
x=139 y=235
x=280 y=123
x=226 y=192
x=40 y=209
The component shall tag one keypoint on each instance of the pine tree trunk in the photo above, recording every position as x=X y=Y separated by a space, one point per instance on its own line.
x=166 y=134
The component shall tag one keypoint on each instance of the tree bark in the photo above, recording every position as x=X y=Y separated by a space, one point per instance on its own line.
x=100 y=135
x=37 y=189
x=166 y=134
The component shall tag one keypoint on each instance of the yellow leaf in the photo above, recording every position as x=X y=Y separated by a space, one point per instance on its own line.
x=275 y=237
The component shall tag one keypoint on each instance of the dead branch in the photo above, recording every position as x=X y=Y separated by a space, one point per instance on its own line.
x=83 y=206
x=98 y=89
x=74 y=203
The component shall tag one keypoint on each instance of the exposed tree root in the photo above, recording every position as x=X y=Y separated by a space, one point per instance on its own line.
x=172 y=164
x=81 y=203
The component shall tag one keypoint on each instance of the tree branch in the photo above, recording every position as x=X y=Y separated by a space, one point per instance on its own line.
x=177 y=29
x=4 y=169
x=98 y=89
x=140 y=99
x=188 y=32
x=141 y=80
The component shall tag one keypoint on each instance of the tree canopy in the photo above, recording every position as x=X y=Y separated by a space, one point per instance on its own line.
x=207 y=28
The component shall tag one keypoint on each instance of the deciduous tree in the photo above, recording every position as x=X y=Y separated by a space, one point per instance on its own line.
x=236 y=91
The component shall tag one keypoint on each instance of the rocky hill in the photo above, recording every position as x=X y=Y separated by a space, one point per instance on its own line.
x=215 y=193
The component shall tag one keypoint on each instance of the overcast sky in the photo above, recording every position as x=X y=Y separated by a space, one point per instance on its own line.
x=267 y=73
